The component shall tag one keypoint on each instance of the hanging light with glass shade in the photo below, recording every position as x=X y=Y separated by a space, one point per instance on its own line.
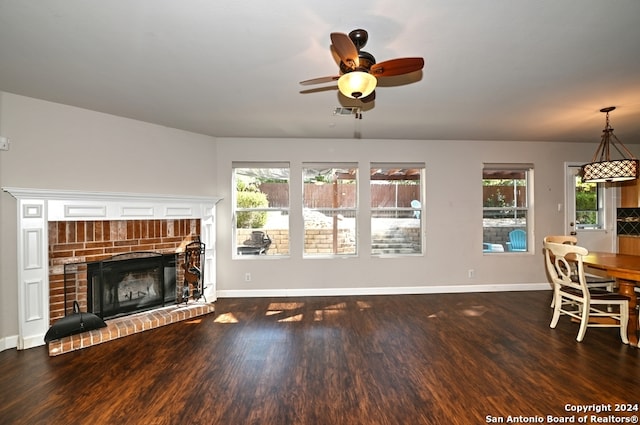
x=602 y=168
x=357 y=84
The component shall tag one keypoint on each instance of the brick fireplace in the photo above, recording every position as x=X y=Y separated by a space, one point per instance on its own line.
x=60 y=227
x=92 y=241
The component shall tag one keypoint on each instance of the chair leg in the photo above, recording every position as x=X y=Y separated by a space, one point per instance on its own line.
x=556 y=312
x=584 y=322
x=624 y=320
x=554 y=295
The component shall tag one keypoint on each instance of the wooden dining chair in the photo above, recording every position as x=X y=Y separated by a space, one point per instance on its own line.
x=592 y=280
x=576 y=299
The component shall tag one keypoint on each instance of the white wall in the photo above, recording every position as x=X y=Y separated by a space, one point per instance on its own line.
x=59 y=147
x=55 y=146
x=453 y=218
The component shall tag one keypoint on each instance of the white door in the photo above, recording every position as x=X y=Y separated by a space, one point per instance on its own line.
x=598 y=232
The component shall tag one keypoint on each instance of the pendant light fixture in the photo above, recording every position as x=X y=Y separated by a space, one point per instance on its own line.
x=602 y=168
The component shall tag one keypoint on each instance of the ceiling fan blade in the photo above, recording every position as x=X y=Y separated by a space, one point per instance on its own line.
x=345 y=48
x=319 y=89
x=369 y=98
x=396 y=67
x=320 y=80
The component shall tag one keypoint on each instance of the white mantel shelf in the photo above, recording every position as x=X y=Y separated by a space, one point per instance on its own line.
x=20 y=193
x=36 y=207
x=77 y=205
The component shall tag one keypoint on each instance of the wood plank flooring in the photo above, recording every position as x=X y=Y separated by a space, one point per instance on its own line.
x=414 y=359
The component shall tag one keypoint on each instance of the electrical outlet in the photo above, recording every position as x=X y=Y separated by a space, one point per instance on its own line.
x=4 y=143
x=247 y=277
x=471 y=273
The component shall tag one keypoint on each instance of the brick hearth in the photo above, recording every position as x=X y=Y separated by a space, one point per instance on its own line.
x=129 y=325
x=85 y=241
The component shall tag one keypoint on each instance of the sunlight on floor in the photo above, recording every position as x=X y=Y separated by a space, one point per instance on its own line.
x=472 y=311
x=331 y=310
x=226 y=318
x=290 y=312
x=284 y=308
x=363 y=305
x=296 y=318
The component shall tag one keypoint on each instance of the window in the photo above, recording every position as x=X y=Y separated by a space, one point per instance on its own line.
x=589 y=208
x=261 y=209
x=397 y=208
x=506 y=196
x=330 y=205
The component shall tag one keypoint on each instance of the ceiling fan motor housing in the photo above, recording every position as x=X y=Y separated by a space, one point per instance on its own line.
x=365 y=62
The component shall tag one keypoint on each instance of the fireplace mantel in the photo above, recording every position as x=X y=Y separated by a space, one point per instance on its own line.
x=36 y=207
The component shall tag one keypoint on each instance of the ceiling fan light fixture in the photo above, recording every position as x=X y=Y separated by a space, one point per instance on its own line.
x=357 y=84
x=602 y=168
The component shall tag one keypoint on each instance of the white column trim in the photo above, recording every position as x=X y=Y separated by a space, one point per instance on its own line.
x=36 y=207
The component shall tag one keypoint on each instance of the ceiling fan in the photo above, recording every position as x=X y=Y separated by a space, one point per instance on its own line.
x=358 y=69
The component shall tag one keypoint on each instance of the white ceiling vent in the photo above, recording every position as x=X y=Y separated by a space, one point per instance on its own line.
x=346 y=110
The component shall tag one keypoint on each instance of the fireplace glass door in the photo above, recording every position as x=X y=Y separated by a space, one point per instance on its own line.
x=129 y=283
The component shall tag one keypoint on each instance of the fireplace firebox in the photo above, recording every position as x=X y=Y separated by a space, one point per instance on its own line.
x=123 y=284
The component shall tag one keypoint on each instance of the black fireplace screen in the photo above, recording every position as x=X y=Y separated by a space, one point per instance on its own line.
x=128 y=283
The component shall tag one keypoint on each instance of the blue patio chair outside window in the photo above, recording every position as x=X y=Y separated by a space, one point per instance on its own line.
x=416 y=205
x=517 y=240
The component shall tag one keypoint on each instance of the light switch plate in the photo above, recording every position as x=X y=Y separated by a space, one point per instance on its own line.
x=4 y=143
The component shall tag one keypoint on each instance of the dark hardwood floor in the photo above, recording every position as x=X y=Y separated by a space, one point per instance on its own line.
x=415 y=359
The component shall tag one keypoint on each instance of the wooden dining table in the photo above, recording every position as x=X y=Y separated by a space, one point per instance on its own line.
x=626 y=269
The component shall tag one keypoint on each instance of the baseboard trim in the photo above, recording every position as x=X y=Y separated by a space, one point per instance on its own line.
x=31 y=342
x=395 y=290
x=8 y=342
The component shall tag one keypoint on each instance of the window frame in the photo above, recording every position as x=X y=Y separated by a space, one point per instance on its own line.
x=320 y=173
x=282 y=251
x=600 y=206
x=406 y=247
x=521 y=212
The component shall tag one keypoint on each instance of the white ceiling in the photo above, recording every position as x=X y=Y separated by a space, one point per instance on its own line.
x=494 y=69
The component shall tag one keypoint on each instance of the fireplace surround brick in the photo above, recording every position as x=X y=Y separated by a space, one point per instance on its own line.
x=87 y=241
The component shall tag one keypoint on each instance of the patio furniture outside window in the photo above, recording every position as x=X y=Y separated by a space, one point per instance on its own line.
x=261 y=209
x=506 y=196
